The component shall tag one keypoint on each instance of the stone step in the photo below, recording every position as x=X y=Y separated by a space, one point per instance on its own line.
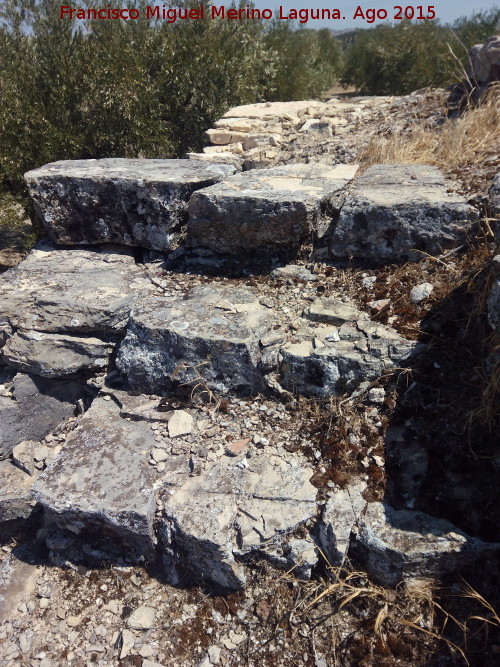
x=63 y=309
x=101 y=482
x=208 y=514
x=398 y=212
x=211 y=337
x=262 y=209
x=102 y=488
x=133 y=202
x=223 y=340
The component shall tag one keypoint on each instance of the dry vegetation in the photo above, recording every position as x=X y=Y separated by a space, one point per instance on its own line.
x=472 y=140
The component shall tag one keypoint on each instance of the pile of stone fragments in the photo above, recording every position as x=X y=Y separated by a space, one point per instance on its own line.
x=96 y=344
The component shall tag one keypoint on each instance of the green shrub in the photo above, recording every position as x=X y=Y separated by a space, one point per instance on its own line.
x=107 y=88
x=306 y=62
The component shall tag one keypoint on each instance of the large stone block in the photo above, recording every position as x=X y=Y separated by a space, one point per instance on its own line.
x=101 y=482
x=235 y=508
x=212 y=336
x=63 y=310
x=72 y=290
x=277 y=208
x=328 y=360
x=400 y=544
x=134 y=202
x=56 y=355
x=394 y=211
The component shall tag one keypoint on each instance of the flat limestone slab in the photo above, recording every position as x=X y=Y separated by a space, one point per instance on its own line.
x=212 y=336
x=75 y=290
x=134 y=202
x=56 y=355
x=273 y=109
x=237 y=507
x=101 y=482
x=395 y=210
x=274 y=208
x=63 y=309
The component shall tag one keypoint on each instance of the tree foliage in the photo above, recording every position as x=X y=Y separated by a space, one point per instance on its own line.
x=104 y=88
x=396 y=59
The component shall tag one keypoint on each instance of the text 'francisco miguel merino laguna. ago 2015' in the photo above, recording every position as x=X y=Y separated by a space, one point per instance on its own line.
x=174 y=14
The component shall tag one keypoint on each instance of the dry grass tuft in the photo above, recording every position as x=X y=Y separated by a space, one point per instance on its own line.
x=457 y=143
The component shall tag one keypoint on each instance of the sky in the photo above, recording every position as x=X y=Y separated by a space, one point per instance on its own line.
x=446 y=10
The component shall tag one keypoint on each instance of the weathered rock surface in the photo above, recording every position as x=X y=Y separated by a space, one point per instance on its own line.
x=329 y=359
x=56 y=355
x=338 y=519
x=330 y=310
x=23 y=456
x=36 y=408
x=402 y=544
x=134 y=202
x=72 y=290
x=15 y=493
x=236 y=507
x=484 y=61
x=64 y=309
x=394 y=211
x=101 y=482
x=264 y=110
x=212 y=336
x=274 y=208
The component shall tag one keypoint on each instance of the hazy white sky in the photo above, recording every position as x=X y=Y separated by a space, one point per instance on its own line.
x=446 y=10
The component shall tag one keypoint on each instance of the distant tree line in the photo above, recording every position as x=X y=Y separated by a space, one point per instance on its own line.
x=396 y=59
x=88 y=89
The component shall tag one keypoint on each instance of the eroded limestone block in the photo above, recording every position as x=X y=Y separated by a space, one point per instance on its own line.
x=236 y=507
x=117 y=200
x=72 y=290
x=56 y=355
x=101 y=482
x=402 y=544
x=331 y=360
x=395 y=210
x=277 y=208
x=212 y=336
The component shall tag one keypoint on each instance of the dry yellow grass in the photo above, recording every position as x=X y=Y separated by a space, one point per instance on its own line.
x=457 y=143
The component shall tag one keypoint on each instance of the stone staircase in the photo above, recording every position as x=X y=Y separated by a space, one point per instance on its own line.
x=198 y=487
